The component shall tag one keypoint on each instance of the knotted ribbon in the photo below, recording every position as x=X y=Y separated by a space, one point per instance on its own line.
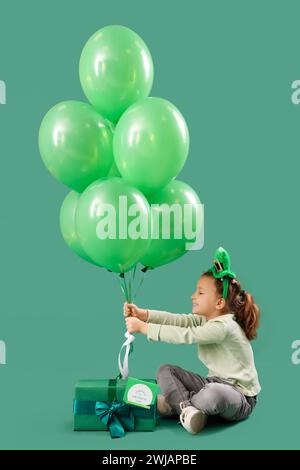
x=116 y=416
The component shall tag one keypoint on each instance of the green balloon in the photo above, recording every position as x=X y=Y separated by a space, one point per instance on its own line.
x=164 y=250
x=114 y=171
x=151 y=144
x=76 y=144
x=67 y=225
x=115 y=70
x=100 y=219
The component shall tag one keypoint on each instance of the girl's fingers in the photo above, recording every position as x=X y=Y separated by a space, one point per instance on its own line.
x=131 y=305
x=129 y=309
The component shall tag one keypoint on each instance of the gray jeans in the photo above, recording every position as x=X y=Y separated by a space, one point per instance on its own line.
x=212 y=395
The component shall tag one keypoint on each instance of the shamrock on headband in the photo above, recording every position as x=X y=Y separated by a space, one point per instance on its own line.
x=221 y=269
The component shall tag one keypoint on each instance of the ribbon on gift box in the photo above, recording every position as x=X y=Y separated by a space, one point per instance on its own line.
x=117 y=416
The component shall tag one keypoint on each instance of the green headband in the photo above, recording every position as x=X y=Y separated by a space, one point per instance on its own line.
x=221 y=269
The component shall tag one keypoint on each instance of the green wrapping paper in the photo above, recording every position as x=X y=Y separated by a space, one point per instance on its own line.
x=88 y=392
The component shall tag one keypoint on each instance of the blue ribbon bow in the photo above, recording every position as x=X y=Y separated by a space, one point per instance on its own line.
x=116 y=416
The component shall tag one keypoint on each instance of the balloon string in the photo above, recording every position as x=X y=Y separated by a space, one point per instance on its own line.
x=129 y=288
x=126 y=288
x=123 y=290
x=129 y=280
x=128 y=285
x=144 y=271
x=128 y=344
x=134 y=272
x=123 y=285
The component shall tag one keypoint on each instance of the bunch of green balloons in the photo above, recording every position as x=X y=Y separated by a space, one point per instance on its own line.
x=121 y=143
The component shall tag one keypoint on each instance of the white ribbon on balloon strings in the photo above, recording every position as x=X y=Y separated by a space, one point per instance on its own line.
x=123 y=368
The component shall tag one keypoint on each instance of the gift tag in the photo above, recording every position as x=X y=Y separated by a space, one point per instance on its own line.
x=140 y=393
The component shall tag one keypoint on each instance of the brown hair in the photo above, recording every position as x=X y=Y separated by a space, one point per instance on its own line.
x=241 y=303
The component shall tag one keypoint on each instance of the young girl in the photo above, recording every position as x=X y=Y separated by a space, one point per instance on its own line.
x=223 y=321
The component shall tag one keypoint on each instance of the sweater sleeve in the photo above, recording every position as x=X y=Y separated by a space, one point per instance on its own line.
x=176 y=319
x=212 y=332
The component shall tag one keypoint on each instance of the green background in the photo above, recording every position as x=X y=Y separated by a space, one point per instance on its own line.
x=228 y=66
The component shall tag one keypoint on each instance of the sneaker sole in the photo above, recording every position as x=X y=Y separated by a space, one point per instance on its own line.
x=197 y=422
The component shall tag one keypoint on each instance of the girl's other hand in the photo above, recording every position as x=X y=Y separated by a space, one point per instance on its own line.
x=134 y=325
x=132 y=310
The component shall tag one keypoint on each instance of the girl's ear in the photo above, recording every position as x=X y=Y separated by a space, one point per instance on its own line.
x=220 y=303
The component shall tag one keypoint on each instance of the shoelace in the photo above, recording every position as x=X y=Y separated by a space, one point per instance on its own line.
x=184 y=404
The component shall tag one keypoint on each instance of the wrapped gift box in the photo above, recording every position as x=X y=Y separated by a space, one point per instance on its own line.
x=88 y=395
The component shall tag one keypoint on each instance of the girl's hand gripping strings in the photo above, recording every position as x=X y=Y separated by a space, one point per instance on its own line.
x=135 y=318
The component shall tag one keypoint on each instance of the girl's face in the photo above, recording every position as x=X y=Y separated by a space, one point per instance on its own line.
x=205 y=299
